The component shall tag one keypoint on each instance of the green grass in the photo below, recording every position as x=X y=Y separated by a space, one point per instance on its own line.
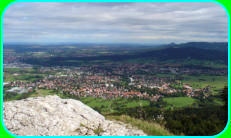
x=179 y=101
x=204 y=63
x=22 y=77
x=39 y=54
x=15 y=96
x=27 y=74
x=98 y=130
x=43 y=92
x=37 y=93
x=150 y=128
x=217 y=101
x=165 y=75
x=112 y=105
x=194 y=62
x=134 y=103
x=18 y=70
x=217 y=83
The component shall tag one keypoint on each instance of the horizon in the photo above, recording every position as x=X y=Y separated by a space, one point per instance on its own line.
x=92 y=43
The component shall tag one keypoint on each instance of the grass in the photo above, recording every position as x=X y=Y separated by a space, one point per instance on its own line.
x=23 y=77
x=217 y=101
x=204 y=63
x=98 y=130
x=150 y=128
x=17 y=70
x=179 y=101
x=112 y=105
x=15 y=96
x=19 y=74
x=37 y=93
x=43 y=92
x=39 y=54
x=217 y=83
x=200 y=63
x=165 y=75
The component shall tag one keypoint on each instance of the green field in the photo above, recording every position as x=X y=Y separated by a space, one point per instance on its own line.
x=203 y=63
x=217 y=83
x=218 y=102
x=112 y=105
x=19 y=70
x=19 y=74
x=179 y=101
x=197 y=63
x=36 y=93
x=22 y=77
x=43 y=92
x=165 y=75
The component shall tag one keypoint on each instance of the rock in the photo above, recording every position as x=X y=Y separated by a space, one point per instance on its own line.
x=53 y=116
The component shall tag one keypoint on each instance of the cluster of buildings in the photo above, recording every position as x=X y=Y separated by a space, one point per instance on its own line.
x=90 y=81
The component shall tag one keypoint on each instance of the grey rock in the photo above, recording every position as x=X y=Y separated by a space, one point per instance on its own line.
x=53 y=116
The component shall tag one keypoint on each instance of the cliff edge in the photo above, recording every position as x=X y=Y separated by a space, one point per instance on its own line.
x=53 y=116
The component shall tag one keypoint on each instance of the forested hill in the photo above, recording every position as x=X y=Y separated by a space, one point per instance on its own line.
x=189 y=51
x=221 y=46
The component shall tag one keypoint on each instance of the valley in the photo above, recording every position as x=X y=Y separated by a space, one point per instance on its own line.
x=142 y=81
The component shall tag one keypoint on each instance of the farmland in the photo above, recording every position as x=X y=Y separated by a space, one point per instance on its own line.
x=179 y=101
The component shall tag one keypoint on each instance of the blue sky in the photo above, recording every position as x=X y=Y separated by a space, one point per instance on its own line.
x=151 y=23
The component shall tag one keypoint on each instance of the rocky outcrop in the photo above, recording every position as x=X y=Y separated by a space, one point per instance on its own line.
x=53 y=116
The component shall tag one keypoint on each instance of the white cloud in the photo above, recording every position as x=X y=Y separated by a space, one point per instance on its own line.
x=115 y=22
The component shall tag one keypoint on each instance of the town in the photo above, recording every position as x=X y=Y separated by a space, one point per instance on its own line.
x=111 y=82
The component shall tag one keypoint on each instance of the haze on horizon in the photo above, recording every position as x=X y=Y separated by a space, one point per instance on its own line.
x=81 y=22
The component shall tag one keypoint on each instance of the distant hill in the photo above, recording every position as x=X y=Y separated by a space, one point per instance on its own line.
x=187 y=53
x=193 y=50
x=221 y=46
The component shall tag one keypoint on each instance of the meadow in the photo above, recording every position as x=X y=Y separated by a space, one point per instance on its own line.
x=112 y=106
x=216 y=82
x=179 y=101
x=19 y=74
x=150 y=128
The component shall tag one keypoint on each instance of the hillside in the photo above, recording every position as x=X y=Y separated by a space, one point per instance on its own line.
x=221 y=46
x=176 y=52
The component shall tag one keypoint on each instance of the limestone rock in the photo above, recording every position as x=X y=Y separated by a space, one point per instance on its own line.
x=53 y=116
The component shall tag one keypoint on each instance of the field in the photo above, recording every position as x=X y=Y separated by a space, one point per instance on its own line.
x=217 y=83
x=14 y=74
x=43 y=92
x=36 y=93
x=198 y=63
x=22 y=77
x=112 y=105
x=19 y=74
x=202 y=63
x=179 y=101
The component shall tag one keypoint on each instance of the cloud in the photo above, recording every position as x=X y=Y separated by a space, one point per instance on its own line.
x=127 y=22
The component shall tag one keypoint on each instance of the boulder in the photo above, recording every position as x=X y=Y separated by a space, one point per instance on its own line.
x=53 y=116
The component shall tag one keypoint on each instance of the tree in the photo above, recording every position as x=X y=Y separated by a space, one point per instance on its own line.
x=224 y=96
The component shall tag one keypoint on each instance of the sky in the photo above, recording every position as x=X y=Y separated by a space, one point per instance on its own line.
x=150 y=23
